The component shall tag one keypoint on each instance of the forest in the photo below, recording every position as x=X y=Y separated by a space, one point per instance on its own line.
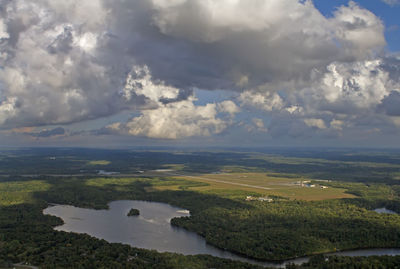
x=274 y=231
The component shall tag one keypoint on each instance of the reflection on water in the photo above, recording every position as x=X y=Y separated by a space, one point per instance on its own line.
x=152 y=230
x=384 y=211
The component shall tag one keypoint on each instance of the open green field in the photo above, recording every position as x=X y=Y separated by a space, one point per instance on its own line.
x=14 y=193
x=262 y=184
x=99 y=162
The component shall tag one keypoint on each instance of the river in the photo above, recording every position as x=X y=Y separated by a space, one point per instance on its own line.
x=152 y=230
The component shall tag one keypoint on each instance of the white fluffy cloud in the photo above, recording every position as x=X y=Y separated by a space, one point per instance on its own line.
x=47 y=69
x=271 y=41
x=228 y=107
x=317 y=123
x=337 y=124
x=70 y=61
x=178 y=120
x=7 y=109
x=358 y=30
x=259 y=125
x=261 y=100
x=348 y=87
x=170 y=118
x=139 y=83
x=3 y=31
x=346 y=95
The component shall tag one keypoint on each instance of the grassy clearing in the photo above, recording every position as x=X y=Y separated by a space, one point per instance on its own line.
x=262 y=184
x=14 y=193
x=311 y=194
x=99 y=162
x=232 y=185
x=101 y=182
x=155 y=183
x=367 y=191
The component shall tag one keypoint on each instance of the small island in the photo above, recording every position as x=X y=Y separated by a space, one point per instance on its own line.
x=133 y=212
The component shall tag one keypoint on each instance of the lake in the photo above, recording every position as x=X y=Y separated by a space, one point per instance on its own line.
x=384 y=211
x=152 y=230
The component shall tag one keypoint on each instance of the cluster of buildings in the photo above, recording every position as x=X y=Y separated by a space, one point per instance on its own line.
x=307 y=184
x=262 y=199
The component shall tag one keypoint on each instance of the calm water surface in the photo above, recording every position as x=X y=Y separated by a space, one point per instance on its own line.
x=152 y=230
x=384 y=211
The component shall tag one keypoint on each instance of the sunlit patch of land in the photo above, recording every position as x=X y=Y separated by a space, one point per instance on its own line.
x=154 y=183
x=99 y=162
x=262 y=184
x=19 y=192
x=101 y=182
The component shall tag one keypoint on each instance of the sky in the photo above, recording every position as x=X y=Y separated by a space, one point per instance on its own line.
x=231 y=73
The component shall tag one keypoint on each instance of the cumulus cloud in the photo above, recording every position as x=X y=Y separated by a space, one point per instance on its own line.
x=139 y=83
x=49 y=67
x=317 y=123
x=261 y=100
x=3 y=31
x=172 y=115
x=7 y=109
x=69 y=61
x=361 y=84
x=179 y=120
x=358 y=30
x=346 y=88
x=347 y=95
x=270 y=41
x=345 y=91
x=391 y=104
x=258 y=125
x=337 y=124
x=228 y=107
